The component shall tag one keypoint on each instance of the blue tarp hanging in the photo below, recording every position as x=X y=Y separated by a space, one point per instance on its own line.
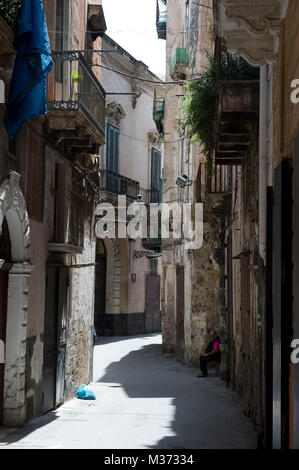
x=28 y=89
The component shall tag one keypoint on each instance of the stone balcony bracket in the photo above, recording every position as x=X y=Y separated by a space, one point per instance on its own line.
x=252 y=28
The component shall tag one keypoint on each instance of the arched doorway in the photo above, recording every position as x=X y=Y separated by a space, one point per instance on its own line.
x=15 y=270
x=100 y=288
x=5 y=257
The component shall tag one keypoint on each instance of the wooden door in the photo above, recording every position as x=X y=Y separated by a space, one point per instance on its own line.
x=100 y=295
x=63 y=283
x=152 y=304
x=155 y=175
x=180 y=312
x=55 y=336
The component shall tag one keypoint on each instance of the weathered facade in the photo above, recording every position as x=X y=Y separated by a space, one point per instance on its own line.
x=189 y=311
x=234 y=283
x=264 y=34
x=130 y=165
x=47 y=218
x=248 y=288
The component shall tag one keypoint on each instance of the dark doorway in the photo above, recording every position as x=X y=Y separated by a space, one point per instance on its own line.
x=152 y=304
x=282 y=302
x=5 y=257
x=180 y=307
x=245 y=332
x=55 y=336
x=100 y=288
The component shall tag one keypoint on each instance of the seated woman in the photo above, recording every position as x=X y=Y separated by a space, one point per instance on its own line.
x=212 y=354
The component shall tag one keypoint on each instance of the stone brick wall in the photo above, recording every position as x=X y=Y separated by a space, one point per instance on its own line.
x=78 y=368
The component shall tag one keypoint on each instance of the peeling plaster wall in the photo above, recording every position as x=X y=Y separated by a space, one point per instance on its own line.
x=78 y=368
x=80 y=320
x=201 y=289
x=35 y=325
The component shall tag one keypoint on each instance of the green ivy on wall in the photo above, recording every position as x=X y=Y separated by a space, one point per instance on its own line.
x=10 y=11
x=198 y=109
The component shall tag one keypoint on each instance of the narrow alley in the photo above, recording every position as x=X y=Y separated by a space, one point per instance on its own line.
x=149 y=225
x=144 y=401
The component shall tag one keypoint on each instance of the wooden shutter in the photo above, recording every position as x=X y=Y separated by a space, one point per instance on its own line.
x=155 y=174
x=112 y=161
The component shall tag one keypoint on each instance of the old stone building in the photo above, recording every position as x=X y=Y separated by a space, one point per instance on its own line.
x=57 y=280
x=250 y=229
x=191 y=289
x=223 y=288
x=130 y=164
x=47 y=219
x=270 y=47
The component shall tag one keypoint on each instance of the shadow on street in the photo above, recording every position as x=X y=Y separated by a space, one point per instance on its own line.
x=207 y=414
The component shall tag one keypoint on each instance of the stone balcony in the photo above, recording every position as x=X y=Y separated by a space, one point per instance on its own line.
x=237 y=115
x=75 y=122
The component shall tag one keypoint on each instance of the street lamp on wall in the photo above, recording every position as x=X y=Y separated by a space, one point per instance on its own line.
x=183 y=181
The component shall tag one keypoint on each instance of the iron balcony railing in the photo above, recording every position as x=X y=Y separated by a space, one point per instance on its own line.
x=158 y=110
x=118 y=184
x=236 y=68
x=219 y=179
x=77 y=88
x=158 y=114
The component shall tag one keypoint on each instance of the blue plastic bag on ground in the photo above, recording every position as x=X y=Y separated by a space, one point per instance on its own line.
x=85 y=393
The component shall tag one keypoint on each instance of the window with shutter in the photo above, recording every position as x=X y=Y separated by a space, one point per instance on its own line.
x=155 y=175
x=112 y=158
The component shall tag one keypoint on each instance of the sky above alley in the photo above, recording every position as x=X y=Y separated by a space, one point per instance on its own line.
x=132 y=24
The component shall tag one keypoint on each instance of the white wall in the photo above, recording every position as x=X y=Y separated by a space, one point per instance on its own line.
x=134 y=152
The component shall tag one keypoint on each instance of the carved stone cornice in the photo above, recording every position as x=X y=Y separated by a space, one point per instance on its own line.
x=255 y=16
x=255 y=51
x=252 y=28
x=154 y=137
x=137 y=90
x=115 y=112
x=13 y=207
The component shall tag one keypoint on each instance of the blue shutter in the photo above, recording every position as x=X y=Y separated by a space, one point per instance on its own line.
x=112 y=158
x=155 y=175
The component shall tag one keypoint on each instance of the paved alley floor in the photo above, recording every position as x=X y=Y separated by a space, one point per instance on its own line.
x=144 y=401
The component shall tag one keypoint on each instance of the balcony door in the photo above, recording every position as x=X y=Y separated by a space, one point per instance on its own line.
x=155 y=175
x=62 y=16
x=112 y=158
